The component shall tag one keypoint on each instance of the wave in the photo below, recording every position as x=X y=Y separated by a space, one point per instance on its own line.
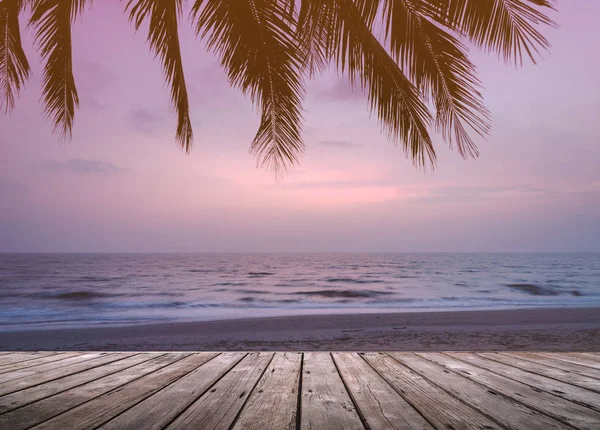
x=229 y=284
x=536 y=290
x=96 y=279
x=355 y=281
x=161 y=305
x=361 y=294
x=83 y=295
x=248 y=299
x=252 y=291
x=259 y=274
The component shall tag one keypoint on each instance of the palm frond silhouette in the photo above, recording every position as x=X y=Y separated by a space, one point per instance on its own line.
x=416 y=73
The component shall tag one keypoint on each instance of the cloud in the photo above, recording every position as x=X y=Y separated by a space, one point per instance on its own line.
x=334 y=184
x=12 y=188
x=79 y=165
x=93 y=75
x=343 y=91
x=593 y=185
x=15 y=197
x=93 y=103
x=454 y=193
x=144 y=120
x=93 y=80
x=209 y=82
x=433 y=194
x=339 y=144
x=209 y=79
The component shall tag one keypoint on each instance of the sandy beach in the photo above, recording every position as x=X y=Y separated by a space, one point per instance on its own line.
x=523 y=329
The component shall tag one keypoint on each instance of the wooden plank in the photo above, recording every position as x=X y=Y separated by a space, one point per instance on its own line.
x=38 y=392
x=98 y=411
x=560 y=389
x=442 y=390
x=506 y=412
x=579 y=359
x=564 y=411
x=593 y=355
x=218 y=407
x=544 y=370
x=276 y=391
x=47 y=408
x=9 y=357
x=438 y=407
x=52 y=371
x=69 y=358
x=23 y=364
x=378 y=404
x=161 y=408
x=554 y=361
x=325 y=403
x=20 y=357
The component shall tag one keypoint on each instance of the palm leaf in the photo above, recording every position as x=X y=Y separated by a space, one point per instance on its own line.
x=258 y=49
x=438 y=64
x=315 y=30
x=346 y=37
x=507 y=27
x=52 y=20
x=14 y=67
x=267 y=46
x=164 y=39
x=312 y=33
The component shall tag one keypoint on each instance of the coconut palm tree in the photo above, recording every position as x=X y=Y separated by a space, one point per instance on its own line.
x=409 y=56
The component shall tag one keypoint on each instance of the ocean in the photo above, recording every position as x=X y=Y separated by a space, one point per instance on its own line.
x=40 y=291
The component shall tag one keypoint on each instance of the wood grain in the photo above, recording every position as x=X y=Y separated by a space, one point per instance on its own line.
x=277 y=391
x=555 y=360
x=564 y=411
x=34 y=361
x=7 y=358
x=47 y=408
x=161 y=408
x=96 y=412
x=378 y=404
x=441 y=409
x=313 y=390
x=325 y=401
x=560 y=389
x=218 y=408
x=41 y=391
x=544 y=370
x=52 y=371
x=506 y=412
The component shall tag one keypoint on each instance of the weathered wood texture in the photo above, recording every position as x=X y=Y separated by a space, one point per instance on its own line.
x=277 y=391
x=313 y=390
x=325 y=401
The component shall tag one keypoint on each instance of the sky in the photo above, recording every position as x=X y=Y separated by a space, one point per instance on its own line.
x=123 y=185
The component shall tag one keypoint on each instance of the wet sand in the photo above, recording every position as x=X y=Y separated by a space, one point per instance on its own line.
x=522 y=330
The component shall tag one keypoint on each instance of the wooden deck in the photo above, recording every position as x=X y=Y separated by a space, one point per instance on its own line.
x=312 y=390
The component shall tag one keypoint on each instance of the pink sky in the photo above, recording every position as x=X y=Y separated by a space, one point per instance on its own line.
x=123 y=185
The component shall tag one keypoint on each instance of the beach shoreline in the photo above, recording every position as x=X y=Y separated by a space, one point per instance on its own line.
x=562 y=329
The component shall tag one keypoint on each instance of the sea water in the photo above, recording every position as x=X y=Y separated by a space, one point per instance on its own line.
x=80 y=290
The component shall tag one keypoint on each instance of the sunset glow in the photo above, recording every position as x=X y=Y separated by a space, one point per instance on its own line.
x=123 y=185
